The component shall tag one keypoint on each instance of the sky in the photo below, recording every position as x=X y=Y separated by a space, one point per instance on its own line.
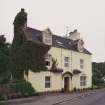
x=87 y=16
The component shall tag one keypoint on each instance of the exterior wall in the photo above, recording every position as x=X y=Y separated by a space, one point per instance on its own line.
x=57 y=82
x=87 y=70
x=76 y=82
x=38 y=81
x=60 y=54
x=74 y=63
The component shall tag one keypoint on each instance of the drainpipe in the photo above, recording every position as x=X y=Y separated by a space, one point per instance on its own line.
x=71 y=71
x=61 y=68
x=61 y=58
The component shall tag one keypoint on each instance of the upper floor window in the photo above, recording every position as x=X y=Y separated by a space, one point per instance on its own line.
x=47 y=59
x=81 y=63
x=82 y=80
x=66 y=61
x=47 y=82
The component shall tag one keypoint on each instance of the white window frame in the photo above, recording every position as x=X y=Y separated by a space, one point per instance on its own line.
x=83 y=80
x=47 y=82
x=81 y=63
x=66 y=61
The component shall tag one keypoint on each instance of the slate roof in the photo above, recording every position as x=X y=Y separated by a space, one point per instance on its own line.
x=57 y=41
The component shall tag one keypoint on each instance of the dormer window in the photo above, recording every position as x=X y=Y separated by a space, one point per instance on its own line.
x=47 y=37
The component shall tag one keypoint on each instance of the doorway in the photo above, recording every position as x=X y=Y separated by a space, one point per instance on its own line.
x=66 y=84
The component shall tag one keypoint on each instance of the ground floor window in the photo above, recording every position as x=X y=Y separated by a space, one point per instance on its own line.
x=47 y=82
x=82 y=80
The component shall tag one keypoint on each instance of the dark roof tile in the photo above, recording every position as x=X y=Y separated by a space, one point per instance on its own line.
x=57 y=41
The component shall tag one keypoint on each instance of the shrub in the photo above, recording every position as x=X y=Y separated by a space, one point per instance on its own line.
x=1 y=97
x=24 y=88
x=16 y=90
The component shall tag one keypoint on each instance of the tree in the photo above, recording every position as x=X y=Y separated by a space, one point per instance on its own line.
x=98 y=70
x=4 y=59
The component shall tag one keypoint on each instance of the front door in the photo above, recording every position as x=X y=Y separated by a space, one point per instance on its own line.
x=66 y=84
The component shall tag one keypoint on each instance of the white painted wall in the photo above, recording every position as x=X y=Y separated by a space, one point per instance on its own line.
x=87 y=70
x=57 y=83
x=38 y=81
x=60 y=53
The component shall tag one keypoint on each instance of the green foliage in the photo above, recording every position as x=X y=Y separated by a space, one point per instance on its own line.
x=54 y=64
x=4 y=46
x=29 y=57
x=4 y=60
x=1 y=97
x=24 y=88
x=25 y=55
x=98 y=70
x=16 y=90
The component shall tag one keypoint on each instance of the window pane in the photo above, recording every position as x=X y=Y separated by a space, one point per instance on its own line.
x=47 y=63
x=47 y=85
x=47 y=82
x=47 y=59
x=83 y=78
x=81 y=66
x=66 y=65
x=81 y=63
x=47 y=78
x=66 y=61
x=83 y=81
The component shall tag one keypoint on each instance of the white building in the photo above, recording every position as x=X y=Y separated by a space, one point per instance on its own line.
x=73 y=63
x=74 y=67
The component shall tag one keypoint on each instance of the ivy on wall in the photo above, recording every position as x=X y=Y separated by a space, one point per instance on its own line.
x=25 y=55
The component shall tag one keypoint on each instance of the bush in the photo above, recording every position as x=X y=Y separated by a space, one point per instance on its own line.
x=1 y=97
x=16 y=90
x=24 y=88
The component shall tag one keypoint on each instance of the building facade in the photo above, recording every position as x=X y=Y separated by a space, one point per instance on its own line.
x=72 y=58
x=69 y=63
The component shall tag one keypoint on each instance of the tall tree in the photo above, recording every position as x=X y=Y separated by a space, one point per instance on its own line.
x=4 y=59
x=98 y=73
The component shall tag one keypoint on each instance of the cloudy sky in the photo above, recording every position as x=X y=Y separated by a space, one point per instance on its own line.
x=88 y=16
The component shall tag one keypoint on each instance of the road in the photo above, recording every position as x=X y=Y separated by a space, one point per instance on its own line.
x=89 y=98
x=93 y=99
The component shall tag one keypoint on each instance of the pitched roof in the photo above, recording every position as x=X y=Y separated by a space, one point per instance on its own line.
x=35 y=35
